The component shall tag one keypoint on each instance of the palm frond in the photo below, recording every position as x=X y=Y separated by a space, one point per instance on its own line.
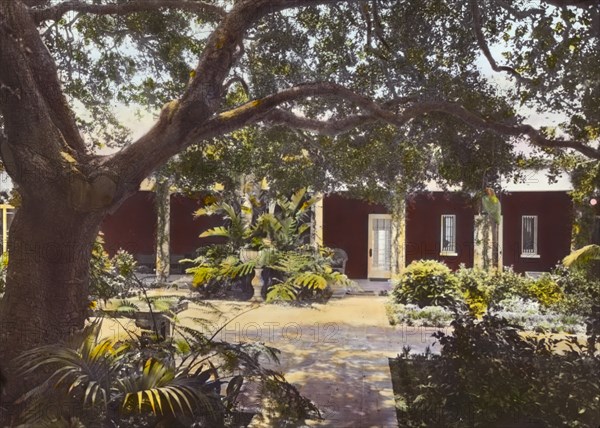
x=208 y=210
x=284 y=291
x=582 y=256
x=216 y=231
x=232 y=268
x=309 y=203
x=156 y=386
x=310 y=280
x=89 y=369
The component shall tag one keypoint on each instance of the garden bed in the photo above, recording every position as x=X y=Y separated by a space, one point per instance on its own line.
x=490 y=374
x=526 y=314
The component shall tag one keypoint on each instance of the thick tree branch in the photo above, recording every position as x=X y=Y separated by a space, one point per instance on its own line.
x=164 y=140
x=330 y=128
x=481 y=42
x=419 y=109
x=28 y=57
x=204 y=94
x=57 y=11
x=266 y=110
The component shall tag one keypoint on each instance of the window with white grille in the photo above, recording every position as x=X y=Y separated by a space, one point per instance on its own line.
x=529 y=239
x=448 y=239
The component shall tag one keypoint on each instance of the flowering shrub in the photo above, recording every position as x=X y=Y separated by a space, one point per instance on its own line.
x=531 y=315
x=580 y=293
x=476 y=288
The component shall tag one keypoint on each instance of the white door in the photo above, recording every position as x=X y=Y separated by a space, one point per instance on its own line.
x=380 y=246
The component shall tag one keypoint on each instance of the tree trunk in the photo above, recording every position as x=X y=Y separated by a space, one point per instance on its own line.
x=46 y=295
x=163 y=233
x=398 y=235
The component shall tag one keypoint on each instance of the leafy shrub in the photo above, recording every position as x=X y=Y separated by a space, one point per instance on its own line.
x=545 y=290
x=307 y=275
x=525 y=314
x=482 y=289
x=476 y=288
x=110 y=277
x=218 y=275
x=426 y=283
x=508 y=283
x=488 y=374
x=580 y=293
x=291 y=269
x=532 y=316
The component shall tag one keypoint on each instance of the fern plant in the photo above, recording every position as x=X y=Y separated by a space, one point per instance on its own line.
x=307 y=274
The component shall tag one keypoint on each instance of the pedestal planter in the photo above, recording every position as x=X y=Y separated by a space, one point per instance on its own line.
x=246 y=256
x=257 y=285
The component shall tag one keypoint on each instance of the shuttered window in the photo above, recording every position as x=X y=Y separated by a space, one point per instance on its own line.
x=448 y=238
x=529 y=240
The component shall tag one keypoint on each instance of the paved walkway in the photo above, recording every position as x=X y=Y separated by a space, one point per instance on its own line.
x=336 y=354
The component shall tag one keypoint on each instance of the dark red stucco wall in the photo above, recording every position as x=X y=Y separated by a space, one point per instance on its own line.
x=555 y=218
x=185 y=228
x=423 y=227
x=133 y=226
x=346 y=226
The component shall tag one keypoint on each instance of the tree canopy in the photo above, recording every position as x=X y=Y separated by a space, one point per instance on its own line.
x=394 y=88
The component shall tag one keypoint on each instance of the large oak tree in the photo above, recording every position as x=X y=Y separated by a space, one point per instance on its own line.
x=395 y=77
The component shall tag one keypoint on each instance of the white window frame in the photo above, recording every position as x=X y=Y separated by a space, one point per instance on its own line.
x=451 y=249
x=526 y=253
